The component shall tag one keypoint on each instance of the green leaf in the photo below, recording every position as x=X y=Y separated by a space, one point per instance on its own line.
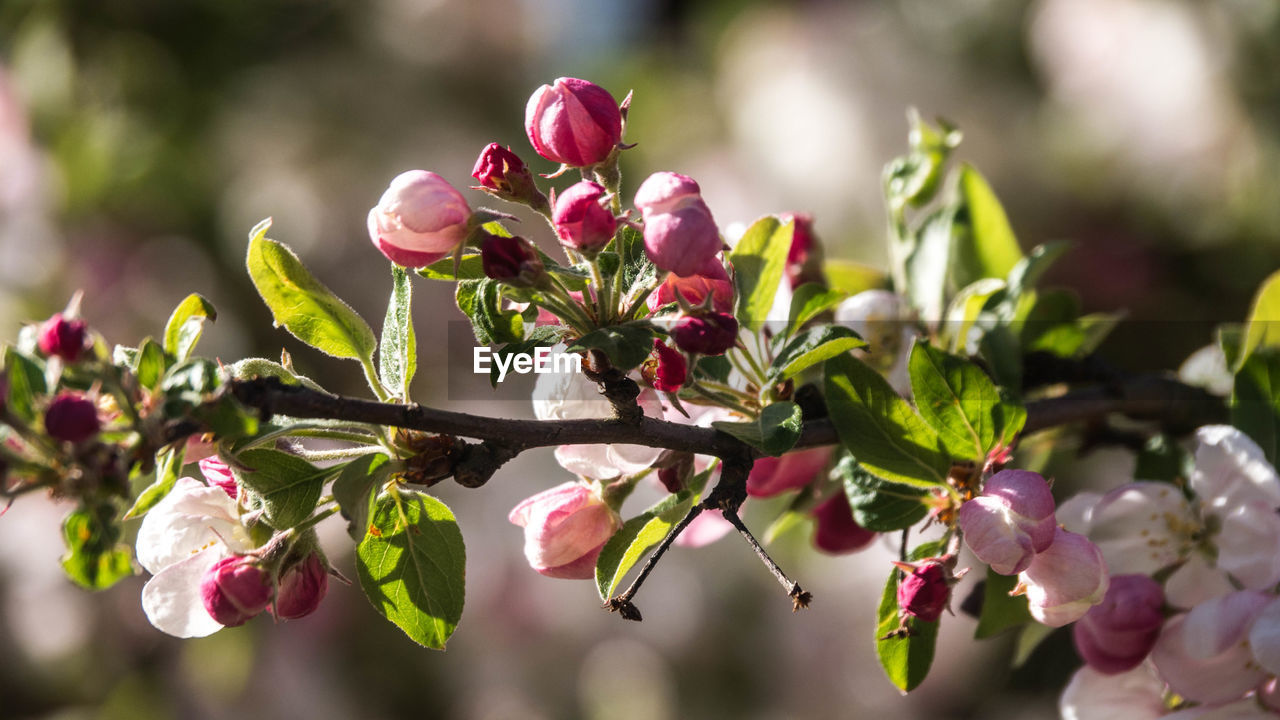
x=250 y=368
x=813 y=346
x=966 y=308
x=715 y=367
x=95 y=558
x=758 y=262
x=878 y=505
x=26 y=384
x=636 y=537
x=929 y=262
x=989 y=248
x=480 y=300
x=852 y=278
x=905 y=658
x=1263 y=328
x=355 y=488
x=626 y=345
x=412 y=566
x=470 y=268
x=880 y=428
x=168 y=468
x=1026 y=273
x=914 y=178
x=1000 y=348
x=1000 y=611
x=182 y=332
x=299 y=302
x=150 y=364
x=287 y=485
x=1162 y=459
x=809 y=301
x=398 y=353
x=1255 y=401
x=957 y=399
x=773 y=433
x=1028 y=640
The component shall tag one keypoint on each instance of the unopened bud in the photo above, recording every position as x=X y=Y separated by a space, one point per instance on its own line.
x=573 y=122
x=708 y=334
x=60 y=337
x=72 y=417
x=581 y=219
x=302 y=587
x=512 y=260
x=235 y=589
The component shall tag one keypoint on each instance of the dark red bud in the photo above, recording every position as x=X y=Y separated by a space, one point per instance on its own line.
x=62 y=338
x=665 y=369
x=709 y=334
x=924 y=592
x=71 y=417
x=512 y=260
x=835 y=531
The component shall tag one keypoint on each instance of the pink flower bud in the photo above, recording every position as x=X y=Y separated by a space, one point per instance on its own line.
x=1117 y=634
x=71 y=417
x=835 y=531
x=709 y=334
x=1010 y=522
x=499 y=169
x=926 y=589
x=235 y=589
x=665 y=369
x=573 y=122
x=420 y=219
x=302 y=587
x=512 y=260
x=1065 y=580
x=804 y=255
x=792 y=471
x=218 y=474
x=679 y=233
x=62 y=338
x=711 y=280
x=581 y=219
x=564 y=529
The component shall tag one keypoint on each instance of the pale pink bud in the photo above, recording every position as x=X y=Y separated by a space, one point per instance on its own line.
x=679 y=233
x=302 y=587
x=792 y=471
x=1117 y=634
x=573 y=122
x=1010 y=522
x=564 y=529
x=72 y=417
x=235 y=589
x=1203 y=654
x=926 y=589
x=1065 y=580
x=834 y=529
x=707 y=334
x=582 y=221
x=218 y=474
x=421 y=218
x=711 y=280
x=62 y=338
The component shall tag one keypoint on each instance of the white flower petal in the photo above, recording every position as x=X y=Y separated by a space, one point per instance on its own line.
x=1076 y=514
x=1195 y=582
x=592 y=461
x=1142 y=527
x=172 y=601
x=191 y=517
x=1264 y=638
x=1231 y=470
x=1134 y=695
x=1249 y=545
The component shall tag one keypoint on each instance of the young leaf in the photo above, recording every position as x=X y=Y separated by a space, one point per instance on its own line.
x=965 y=309
x=988 y=248
x=26 y=383
x=758 y=262
x=95 y=558
x=182 y=332
x=813 y=346
x=1026 y=273
x=957 y=399
x=150 y=363
x=168 y=467
x=878 y=505
x=809 y=301
x=1263 y=329
x=905 y=657
x=1000 y=610
x=636 y=537
x=928 y=263
x=288 y=486
x=480 y=301
x=1255 y=401
x=880 y=428
x=398 y=353
x=470 y=268
x=304 y=306
x=852 y=278
x=355 y=488
x=773 y=433
x=412 y=566
x=626 y=345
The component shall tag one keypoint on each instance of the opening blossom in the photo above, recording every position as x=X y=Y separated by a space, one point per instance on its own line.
x=710 y=280
x=1065 y=580
x=564 y=529
x=679 y=233
x=420 y=219
x=1010 y=521
x=573 y=122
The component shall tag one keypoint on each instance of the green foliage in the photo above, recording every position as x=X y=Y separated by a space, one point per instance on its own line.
x=182 y=332
x=398 y=351
x=815 y=345
x=1263 y=329
x=25 y=377
x=412 y=566
x=985 y=243
x=168 y=468
x=481 y=301
x=851 y=278
x=914 y=178
x=905 y=656
x=878 y=505
x=302 y=304
x=1163 y=459
x=641 y=533
x=958 y=400
x=807 y=302
x=150 y=363
x=287 y=486
x=1255 y=400
x=773 y=433
x=626 y=345
x=880 y=428
x=95 y=559
x=355 y=488
x=758 y=262
x=1000 y=610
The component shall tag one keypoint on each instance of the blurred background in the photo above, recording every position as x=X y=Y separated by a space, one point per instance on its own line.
x=141 y=139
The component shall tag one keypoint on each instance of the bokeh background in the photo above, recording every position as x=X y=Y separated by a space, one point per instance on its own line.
x=141 y=139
